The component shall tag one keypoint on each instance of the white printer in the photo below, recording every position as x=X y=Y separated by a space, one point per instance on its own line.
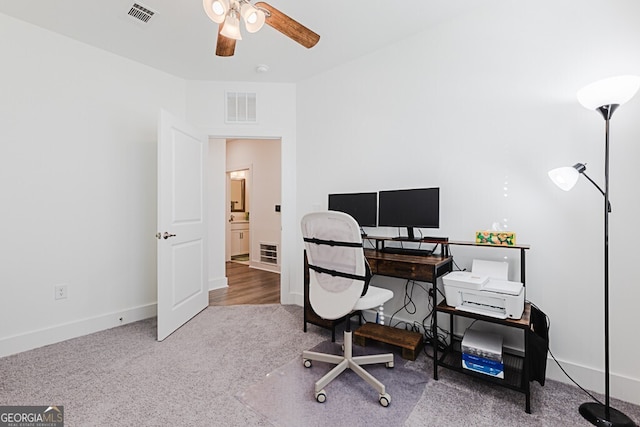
x=485 y=290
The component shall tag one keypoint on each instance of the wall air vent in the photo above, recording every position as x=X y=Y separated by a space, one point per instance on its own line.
x=141 y=13
x=269 y=253
x=241 y=107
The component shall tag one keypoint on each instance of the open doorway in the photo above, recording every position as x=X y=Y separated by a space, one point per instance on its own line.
x=239 y=205
x=253 y=198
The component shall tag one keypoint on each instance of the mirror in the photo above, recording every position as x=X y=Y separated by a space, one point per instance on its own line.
x=237 y=195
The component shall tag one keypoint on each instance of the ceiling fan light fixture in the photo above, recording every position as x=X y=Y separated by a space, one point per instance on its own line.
x=216 y=10
x=228 y=13
x=231 y=28
x=254 y=18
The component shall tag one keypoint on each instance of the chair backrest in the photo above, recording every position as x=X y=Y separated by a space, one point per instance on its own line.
x=333 y=296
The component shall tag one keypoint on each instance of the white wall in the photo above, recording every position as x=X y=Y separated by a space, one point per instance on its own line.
x=264 y=186
x=489 y=99
x=78 y=184
x=216 y=213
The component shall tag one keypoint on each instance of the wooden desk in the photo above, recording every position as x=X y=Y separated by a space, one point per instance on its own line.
x=412 y=267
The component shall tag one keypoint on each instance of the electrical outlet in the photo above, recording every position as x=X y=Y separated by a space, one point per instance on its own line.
x=60 y=291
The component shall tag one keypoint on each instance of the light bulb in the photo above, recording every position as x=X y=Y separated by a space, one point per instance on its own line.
x=216 y=10
x=254 y=18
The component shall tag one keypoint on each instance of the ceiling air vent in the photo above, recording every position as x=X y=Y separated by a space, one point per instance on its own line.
x=241 y=107
x=141 y=13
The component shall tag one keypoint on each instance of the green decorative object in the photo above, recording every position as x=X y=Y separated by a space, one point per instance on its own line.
x=500 y=238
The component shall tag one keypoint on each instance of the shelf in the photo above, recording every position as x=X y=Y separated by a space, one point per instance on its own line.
x=406 y=239
x=486 y=245
x=513 y=367
x=442 y=241
x=410 y=342
x=522 y=323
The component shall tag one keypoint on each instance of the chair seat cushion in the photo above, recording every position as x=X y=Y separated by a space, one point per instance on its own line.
x=373 y=298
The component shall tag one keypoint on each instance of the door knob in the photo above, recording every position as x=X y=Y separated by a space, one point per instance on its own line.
x=164 y=235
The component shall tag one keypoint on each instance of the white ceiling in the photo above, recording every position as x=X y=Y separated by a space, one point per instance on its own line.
x=180 y=38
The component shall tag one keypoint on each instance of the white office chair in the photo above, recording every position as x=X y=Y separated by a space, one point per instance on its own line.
x=337 y=277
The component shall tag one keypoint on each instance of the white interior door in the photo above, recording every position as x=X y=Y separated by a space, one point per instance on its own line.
x=182 y=226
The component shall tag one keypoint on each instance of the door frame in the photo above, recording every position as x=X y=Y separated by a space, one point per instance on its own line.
x=288 y=294
x=227 y=235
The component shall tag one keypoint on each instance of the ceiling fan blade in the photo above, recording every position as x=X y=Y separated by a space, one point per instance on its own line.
x=225 y=46
x=288 y=26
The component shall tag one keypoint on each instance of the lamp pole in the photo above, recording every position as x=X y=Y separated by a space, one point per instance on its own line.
x=606 y=111
x=607 y=407
x=596 y=413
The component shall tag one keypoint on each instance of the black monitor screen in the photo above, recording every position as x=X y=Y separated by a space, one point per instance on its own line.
x=410 y=208
x=361 y=206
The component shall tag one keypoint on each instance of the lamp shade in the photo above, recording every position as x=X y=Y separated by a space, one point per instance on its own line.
x=216 y=10
x=254 y=18
x=565 y=177
x=614 y=90
x=231 y=27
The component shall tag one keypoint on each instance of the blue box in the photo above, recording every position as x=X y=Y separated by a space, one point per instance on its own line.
x=482 y=365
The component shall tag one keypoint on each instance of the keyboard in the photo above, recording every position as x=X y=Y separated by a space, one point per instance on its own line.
x=408 y=251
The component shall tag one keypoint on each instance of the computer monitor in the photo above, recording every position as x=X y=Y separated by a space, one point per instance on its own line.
x=361 y=206
x=418 y=207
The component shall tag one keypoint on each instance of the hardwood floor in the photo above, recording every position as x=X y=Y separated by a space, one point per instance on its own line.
x=247 y=286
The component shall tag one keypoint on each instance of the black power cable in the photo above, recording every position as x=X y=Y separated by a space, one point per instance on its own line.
x=558 y=363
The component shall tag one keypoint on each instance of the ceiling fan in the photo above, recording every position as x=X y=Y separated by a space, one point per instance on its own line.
x=227 y=13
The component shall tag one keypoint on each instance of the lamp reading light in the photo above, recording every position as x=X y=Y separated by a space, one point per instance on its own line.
x=566 y=177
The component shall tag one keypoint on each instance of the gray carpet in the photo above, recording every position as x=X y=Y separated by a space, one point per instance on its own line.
x=202 y=374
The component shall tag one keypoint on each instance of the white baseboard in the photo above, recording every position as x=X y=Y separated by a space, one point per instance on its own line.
x=264 y=267
x=78 y=328
x=621 y=387
x=219 y=283
x=293 y=299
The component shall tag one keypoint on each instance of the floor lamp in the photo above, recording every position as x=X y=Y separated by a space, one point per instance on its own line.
x=604 y=96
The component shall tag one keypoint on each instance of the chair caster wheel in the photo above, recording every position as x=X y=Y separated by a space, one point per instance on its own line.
x=306 y=363
x=389 y=365
x=384 y=400
x=321 y=397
